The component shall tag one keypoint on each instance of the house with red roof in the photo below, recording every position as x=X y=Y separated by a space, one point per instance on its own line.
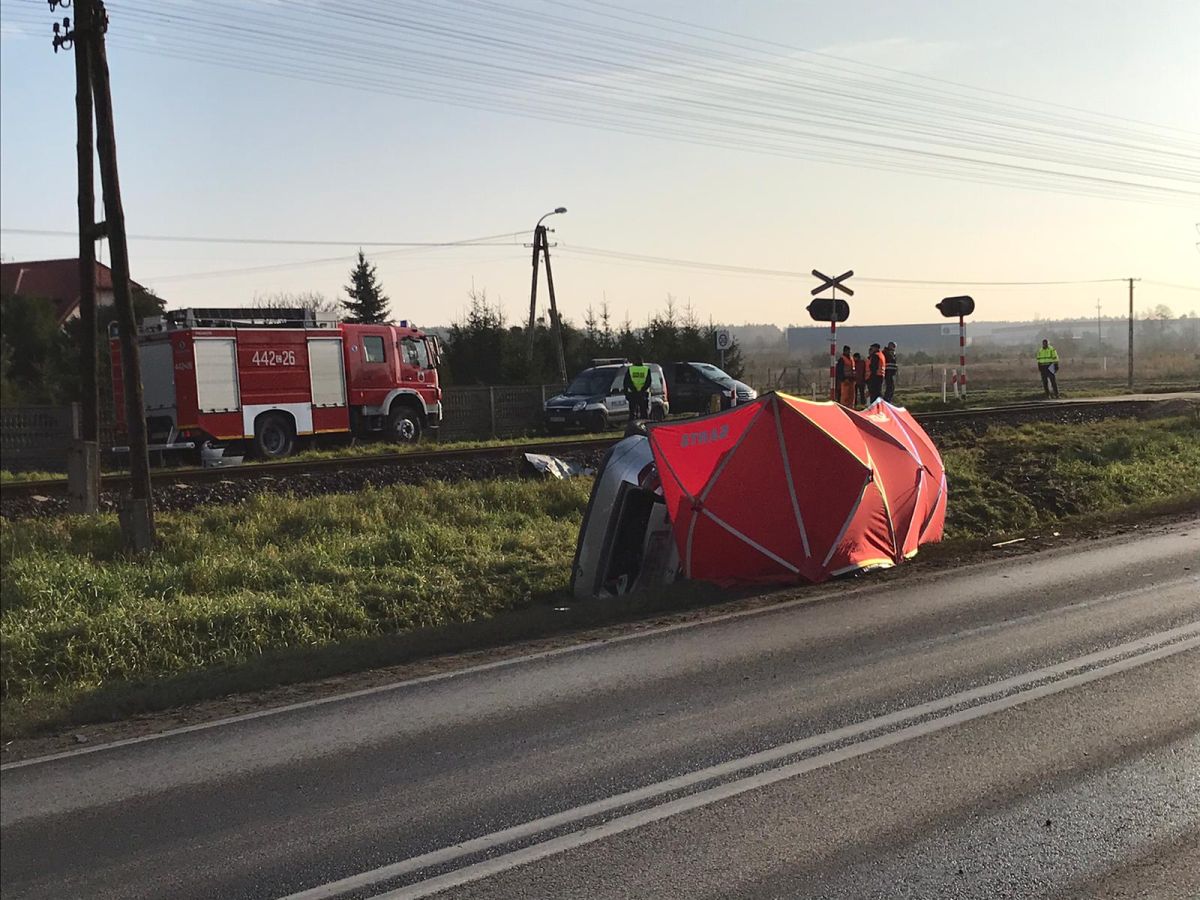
x=55 y=281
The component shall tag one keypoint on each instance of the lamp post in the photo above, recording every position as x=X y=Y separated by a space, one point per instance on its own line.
x=542 y=246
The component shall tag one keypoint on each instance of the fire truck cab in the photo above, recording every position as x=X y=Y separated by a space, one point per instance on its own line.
x=269 y=377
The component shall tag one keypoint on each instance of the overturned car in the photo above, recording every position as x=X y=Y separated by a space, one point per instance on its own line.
x=779 y=490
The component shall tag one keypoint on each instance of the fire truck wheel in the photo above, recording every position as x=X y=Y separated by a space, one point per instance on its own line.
x=274 y=437
x=404 y=425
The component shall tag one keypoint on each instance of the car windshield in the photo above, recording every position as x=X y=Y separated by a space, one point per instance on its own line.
x=714 y=374
x=591 y=382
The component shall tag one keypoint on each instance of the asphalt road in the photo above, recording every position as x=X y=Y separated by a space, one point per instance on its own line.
x=1025 y=728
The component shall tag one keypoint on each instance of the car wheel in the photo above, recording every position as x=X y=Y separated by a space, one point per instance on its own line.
x=656 y=413
x=404 y=425
x=598 y=421
x=274 y=437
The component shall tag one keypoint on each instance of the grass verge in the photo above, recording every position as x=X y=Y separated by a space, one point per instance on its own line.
x=281 y=589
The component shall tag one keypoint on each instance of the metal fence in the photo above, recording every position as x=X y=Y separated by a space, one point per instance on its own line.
x=478 y=413
x=36 y=438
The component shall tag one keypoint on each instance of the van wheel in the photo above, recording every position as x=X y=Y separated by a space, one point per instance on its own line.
x=598 y=421
x=403 y=425
x=274 y=436
x=656 y=413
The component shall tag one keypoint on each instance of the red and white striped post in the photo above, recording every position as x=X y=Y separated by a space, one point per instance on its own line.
x=962 y=355
x=833 y=386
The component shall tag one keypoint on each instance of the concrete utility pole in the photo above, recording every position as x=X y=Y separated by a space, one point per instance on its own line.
x=1131 y=280
x=1099 y=329
x=541 y=245
x=137 y=514
x=83 y=466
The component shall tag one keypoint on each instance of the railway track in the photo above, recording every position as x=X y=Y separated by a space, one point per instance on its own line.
x=351 y=472
x=252 y=471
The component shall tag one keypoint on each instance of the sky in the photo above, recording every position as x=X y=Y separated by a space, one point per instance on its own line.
x=360 y=125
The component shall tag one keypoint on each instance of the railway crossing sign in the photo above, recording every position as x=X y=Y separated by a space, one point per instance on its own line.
x=832 y=309
x=835 y=284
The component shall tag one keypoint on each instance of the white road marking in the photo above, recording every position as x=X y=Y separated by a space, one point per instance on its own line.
x=440 y=676
x=1110 y=661
x=513 y=661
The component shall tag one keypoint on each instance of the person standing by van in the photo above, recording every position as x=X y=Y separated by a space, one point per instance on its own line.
x=637 y=389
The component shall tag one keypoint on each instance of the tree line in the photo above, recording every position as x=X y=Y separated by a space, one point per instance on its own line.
x=484 y=348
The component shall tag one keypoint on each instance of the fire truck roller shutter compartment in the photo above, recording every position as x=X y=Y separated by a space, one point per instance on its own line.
x=158 y=376
x=216 y=375
x=326 y=371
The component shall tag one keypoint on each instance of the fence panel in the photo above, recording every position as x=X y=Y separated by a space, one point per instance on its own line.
x=479 y=413
x=35 y=438
x=38 y=437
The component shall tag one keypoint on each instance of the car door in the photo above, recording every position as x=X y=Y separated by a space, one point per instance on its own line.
x=616 y=403
x=685 y=391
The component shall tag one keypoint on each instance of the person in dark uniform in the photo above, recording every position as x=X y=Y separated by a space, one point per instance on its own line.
x=890 y=370
x=637 y=389
x=860 y=380
x=876 y=365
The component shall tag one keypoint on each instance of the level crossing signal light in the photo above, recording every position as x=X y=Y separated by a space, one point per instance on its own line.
x=829 y=310
x=959 y=308
x=953 y=307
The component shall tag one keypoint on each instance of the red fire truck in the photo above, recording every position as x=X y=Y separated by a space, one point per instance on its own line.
x=213 y=377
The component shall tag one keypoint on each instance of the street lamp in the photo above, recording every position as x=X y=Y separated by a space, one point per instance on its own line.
x=542 y=246
x=558 y=210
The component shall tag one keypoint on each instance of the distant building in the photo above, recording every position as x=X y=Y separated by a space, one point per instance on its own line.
x=941 y=338
x=57 y=282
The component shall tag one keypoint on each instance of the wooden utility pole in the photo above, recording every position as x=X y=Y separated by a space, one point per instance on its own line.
x=137 y=514
x=85 y=151
x=83 y=455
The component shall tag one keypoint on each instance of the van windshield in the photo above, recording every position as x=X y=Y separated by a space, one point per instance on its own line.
x=591 y=382
x=711 y=372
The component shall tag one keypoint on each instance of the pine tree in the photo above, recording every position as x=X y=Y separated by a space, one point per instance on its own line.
x=368 y=303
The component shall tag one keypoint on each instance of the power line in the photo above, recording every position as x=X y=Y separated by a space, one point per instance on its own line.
x=787 y=273
x=705 y=114
x=844 y=61
x=491 y=240
x=1178 y=287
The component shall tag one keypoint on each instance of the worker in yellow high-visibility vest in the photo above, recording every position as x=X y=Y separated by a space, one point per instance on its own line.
x=637 y=389
x=1047 y=361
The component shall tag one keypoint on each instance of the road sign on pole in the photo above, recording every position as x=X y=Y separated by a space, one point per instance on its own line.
x=724 y=342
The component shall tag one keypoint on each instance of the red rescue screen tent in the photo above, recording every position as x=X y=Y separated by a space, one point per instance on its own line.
x=783 y=489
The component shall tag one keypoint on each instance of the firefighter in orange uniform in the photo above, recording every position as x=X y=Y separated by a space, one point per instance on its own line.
x=845 y=378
